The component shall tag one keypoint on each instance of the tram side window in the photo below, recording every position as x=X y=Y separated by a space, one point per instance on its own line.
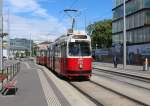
x=57 y=51
x=38 y=53
x=45 y=53
x=41 y=53
x=63 y=51
x=48 y=52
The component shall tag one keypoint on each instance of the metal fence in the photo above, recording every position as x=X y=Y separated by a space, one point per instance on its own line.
x=9 y=72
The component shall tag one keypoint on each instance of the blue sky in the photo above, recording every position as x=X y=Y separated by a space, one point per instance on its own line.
x=41 y=18
x=93 y=9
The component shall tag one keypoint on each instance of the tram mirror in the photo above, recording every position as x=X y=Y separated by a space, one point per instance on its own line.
x=72 y=40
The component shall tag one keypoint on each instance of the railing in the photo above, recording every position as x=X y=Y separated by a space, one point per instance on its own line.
x=9 y=72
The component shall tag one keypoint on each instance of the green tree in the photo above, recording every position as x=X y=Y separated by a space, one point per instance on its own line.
x=22 y=55
x=101 y=33
x=17 y=54
x=27 y=53
x=4 y=42
x=3 y=35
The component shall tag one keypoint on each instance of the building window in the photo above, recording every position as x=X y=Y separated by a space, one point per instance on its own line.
x=147 y=18
x=147 y=3
x=118 y=13
x=131 y=7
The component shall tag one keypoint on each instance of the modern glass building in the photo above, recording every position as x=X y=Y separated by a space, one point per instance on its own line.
x=20 y=44
x=137 y=21
x=137 y=27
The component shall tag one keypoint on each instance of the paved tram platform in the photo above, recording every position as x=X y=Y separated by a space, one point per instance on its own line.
x=29 y=92
x=130 y=69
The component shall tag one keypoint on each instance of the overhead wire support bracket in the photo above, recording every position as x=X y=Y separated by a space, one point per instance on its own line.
x=72 y=17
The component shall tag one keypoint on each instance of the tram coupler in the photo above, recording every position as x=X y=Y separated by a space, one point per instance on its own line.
x=145 y=65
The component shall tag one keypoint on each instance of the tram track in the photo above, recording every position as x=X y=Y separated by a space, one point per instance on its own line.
x=102 y=94
x=118 y=78
x=131 y=76
x=132 y=99
x=87 y=95
x=105 y=94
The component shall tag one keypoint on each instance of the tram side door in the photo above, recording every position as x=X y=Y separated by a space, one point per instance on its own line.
x=63 y=58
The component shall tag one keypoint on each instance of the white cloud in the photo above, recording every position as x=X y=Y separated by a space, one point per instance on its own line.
x=25 y=6
x=39 y=29
x=21 y=27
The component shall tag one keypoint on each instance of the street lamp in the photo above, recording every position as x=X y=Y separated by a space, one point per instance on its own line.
x=124 y=35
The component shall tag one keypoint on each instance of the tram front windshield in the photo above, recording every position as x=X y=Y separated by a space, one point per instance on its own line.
x=79 y=49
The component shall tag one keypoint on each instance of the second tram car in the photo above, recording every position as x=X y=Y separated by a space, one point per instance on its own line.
x=41 y=57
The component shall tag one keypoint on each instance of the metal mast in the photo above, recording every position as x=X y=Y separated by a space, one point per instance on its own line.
x=30 y=46
x=124 y=36
x=8 y=36
x=1 y=34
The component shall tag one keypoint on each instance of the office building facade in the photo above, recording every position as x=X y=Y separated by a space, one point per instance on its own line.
x=137 y=25
x=137 y=21
x=20 y=46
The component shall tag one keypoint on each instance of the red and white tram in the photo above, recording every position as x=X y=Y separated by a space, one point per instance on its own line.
x=70 y=55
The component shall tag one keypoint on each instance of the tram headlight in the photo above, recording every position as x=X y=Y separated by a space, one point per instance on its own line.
x=81 y=66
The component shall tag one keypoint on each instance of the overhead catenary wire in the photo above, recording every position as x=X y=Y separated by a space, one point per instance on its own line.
x=70 y=7
x=75 y=1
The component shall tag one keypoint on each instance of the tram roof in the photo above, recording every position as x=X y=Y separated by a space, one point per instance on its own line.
x=76 y=32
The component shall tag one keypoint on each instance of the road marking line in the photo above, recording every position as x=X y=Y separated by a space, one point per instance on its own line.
x=51 y=98
x=28 y=66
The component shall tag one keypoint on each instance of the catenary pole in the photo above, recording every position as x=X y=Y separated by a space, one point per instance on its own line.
x=1 y=34
x=8 y=36
x=124 y=36
x=30 y=46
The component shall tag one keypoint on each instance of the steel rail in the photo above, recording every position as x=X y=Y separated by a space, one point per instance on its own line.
x=125 y=96
x=98 y=74
x=127 y=75
x=86 y=94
